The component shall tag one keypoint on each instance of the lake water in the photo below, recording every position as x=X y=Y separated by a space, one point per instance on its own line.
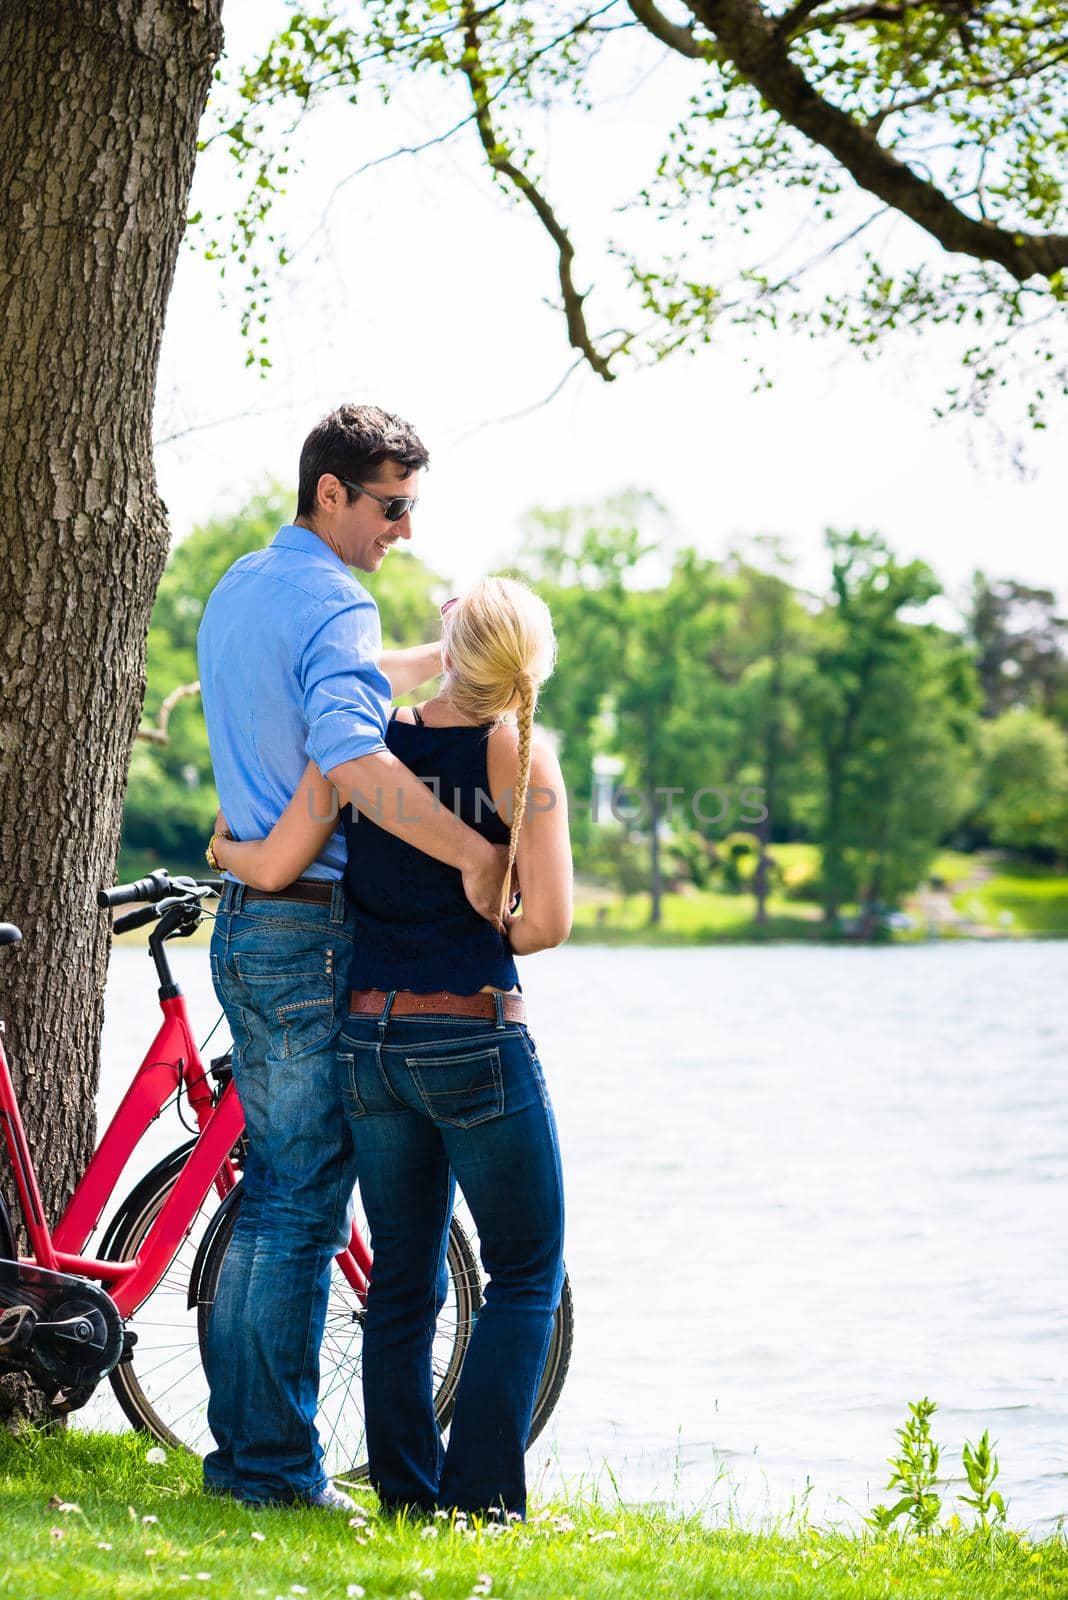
x=805 y=1186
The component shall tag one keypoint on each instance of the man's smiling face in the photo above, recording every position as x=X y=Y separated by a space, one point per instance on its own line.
x=360 y=532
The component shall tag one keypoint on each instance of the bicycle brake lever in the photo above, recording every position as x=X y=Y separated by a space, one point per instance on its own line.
x=135 y=919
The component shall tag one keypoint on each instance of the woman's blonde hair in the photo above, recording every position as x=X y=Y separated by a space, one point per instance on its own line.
x=500 y=647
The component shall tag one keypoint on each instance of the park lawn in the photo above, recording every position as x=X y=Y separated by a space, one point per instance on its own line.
x=87 y=1515
x=1020 y=898
x=703 y=917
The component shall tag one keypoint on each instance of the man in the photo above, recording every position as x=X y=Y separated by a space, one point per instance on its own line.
x=291 y=669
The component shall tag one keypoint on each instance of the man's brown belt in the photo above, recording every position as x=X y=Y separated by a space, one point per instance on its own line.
x=310 y=891
x=372 y=1003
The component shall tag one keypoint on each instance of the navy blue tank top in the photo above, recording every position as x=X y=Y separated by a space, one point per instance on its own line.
x=414 y=926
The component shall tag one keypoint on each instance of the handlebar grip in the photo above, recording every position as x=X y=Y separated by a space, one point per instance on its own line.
x=152 y=888
x=135 y=919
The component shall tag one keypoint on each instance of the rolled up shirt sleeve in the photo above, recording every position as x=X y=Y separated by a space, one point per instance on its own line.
x=346 y=697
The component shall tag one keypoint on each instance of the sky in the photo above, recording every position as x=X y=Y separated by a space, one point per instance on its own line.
x=418 y=285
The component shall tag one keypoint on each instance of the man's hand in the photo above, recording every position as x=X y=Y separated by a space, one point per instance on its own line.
x=483 y=877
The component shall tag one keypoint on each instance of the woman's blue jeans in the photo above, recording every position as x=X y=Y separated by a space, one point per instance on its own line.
x=430 y=1100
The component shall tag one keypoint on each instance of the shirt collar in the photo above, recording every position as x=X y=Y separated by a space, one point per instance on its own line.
x=290 y=537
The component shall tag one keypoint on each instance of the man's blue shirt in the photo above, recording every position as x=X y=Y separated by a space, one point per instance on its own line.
x=288 y=648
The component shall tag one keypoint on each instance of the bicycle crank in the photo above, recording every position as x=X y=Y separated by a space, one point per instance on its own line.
x=64 y=1332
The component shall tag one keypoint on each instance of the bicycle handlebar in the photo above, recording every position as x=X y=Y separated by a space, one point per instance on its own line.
x=156 y=887
x=152 y=888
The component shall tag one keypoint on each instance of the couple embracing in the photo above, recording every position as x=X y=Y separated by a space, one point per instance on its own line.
x=368 y=975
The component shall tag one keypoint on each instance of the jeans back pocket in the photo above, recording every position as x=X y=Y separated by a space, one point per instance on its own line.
x=460 y=1090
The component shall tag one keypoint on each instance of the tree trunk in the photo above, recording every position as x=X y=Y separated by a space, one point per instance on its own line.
x=656 y=882
x=100 y=102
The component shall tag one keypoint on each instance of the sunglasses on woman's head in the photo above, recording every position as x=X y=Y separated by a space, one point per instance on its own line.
x=393 y=507
x=448 y=604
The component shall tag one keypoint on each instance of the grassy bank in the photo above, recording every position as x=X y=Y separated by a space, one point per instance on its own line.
x=967 y=896
x=1019 y=899
x=88 y=1515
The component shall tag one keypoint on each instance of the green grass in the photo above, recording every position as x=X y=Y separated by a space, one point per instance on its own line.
x=86 y=1515
x=1030 y=899
x=704 y=917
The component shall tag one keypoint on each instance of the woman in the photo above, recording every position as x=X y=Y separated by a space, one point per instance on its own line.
x=440 y=1077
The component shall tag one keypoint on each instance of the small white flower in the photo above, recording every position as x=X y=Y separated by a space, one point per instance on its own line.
x=355 y=1591
x=357 y=1522
x=203 y=1577
x=259 y=1538
x=103 y=1546
x=430 y=1532
x=156 y=1457
x=440 y=1513
x=146 y=1522
x=413 y=1594
x=297 y=1588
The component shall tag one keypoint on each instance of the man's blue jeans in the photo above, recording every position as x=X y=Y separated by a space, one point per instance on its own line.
x=280 y=969
x=430 y=1099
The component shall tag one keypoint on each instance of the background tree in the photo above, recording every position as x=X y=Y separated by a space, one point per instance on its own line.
x=891 y=706
x=767 y=655
x=951 y=114
x=99 y=108
x=1023 y=784
x=1020 y=641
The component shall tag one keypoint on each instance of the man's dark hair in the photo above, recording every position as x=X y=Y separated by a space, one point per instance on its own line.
x=353 y=442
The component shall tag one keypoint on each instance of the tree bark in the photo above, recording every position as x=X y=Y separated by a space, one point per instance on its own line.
x=100 y=101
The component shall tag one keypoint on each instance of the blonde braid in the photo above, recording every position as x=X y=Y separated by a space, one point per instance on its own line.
x=526 y=689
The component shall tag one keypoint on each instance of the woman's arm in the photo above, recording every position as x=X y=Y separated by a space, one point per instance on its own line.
x=543 y=858
x=294 y=842
x=407 y=669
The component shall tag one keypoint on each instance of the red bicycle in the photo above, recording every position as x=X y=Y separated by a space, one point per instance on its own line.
x=136 y=1311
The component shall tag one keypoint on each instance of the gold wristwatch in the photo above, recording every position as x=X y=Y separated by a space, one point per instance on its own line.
x=209 y=854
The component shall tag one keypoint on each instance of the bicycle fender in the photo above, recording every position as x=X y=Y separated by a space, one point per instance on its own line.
x=211 y=1233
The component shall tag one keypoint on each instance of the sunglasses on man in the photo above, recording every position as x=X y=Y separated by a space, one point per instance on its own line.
x=394 y=507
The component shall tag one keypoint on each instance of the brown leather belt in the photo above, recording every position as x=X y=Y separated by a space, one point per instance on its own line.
x=372 y=1003
x=311 y=891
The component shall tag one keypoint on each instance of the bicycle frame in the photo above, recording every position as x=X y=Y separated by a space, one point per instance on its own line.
x=172 y=1061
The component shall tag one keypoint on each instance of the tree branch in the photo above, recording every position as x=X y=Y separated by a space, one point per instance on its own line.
x=750 y=40
x=158 y=734
x=672 y=34
x=499 y=158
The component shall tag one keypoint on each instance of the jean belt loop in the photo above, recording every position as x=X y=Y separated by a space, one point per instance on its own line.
x=337 y=902
x=498 y=1006
x=237 y=897
x=383 y=1021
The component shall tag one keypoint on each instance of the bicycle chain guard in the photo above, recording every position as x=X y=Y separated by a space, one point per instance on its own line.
x=64 y=1332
